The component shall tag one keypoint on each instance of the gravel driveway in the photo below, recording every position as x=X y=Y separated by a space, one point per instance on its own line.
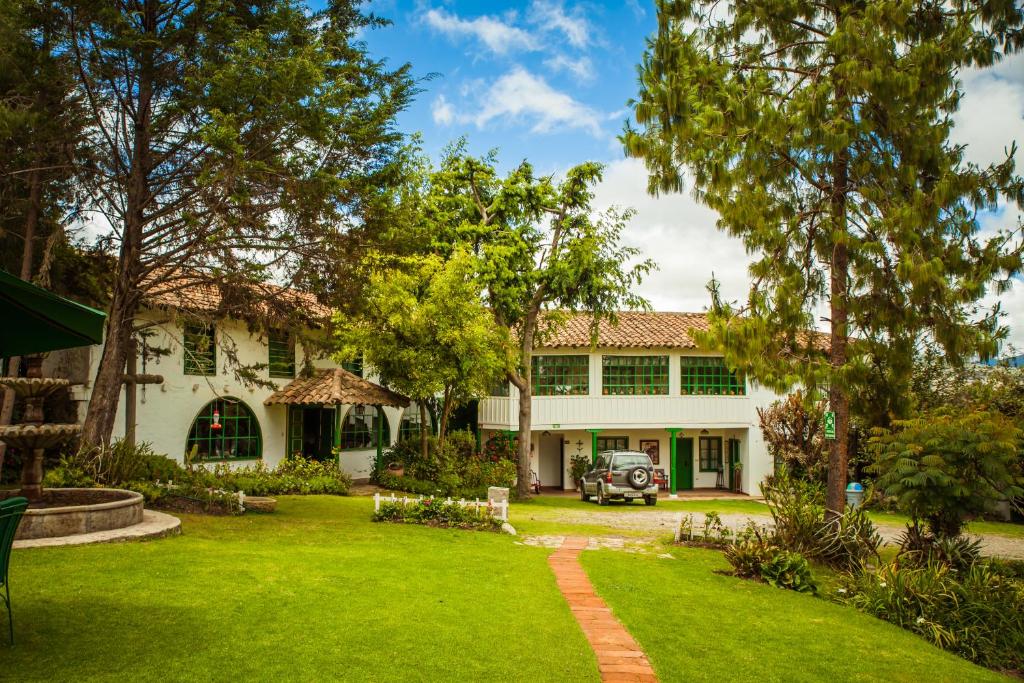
x=661 y=523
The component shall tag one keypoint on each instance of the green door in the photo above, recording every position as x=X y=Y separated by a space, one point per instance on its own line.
x=684 y=462
x=734 y=457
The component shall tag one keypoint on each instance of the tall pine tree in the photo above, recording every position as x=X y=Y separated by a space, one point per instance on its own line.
x=234 y=141
x=820 y=132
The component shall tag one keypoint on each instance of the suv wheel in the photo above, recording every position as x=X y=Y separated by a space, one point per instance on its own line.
x=584 y=496
x=601 y=499
x=650 y=500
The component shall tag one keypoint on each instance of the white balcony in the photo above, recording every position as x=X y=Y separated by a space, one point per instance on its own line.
x=621 y=412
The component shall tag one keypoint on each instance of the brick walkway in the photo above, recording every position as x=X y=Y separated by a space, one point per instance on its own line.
x=619 y=658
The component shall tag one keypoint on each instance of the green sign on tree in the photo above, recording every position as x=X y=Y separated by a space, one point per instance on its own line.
x=830 y=425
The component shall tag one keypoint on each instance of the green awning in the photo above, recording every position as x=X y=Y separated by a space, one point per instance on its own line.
x=33 y=320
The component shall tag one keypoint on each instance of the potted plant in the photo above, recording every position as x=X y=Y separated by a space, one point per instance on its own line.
x=396 y=469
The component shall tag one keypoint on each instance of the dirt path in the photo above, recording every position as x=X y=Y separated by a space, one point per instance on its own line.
x=662 y=523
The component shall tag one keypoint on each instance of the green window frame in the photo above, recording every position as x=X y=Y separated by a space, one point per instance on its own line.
x=612 y=443
x=225 y=429
x=359 y=428
x=709 y=376
x=561 y=375
x=281 y=354
x=409 y=427
x=710 y=453
x=200 y=349
x=355 y=366
x=634 y=375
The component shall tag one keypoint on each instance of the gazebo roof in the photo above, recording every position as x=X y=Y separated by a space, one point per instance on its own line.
x=334 y=386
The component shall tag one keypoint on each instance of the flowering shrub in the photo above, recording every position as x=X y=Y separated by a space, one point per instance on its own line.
x=438 y=512
x=158 y=477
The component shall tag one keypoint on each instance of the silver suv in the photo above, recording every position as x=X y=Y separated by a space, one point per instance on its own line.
x=620 y=475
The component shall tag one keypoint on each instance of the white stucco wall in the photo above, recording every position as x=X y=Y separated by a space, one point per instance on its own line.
x=165 y=412
x=644 y=417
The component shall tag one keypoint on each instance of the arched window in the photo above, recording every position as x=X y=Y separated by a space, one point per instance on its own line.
x=359 y=428
x=225 y=429
x=410 y=425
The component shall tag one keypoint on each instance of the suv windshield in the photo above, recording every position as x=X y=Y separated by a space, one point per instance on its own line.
x=627 y=460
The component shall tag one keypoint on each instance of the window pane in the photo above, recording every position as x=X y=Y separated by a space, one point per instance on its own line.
x=281 y=354
x=710 y=453
x=200 y=350
x=355 y=366
x=359 y=428
x=225 y=429
x=704 y=376
x=634 y=375
x=561 y=375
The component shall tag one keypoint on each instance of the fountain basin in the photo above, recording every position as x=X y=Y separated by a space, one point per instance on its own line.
x=67 y=512
x=33 y=436
x=33 y=387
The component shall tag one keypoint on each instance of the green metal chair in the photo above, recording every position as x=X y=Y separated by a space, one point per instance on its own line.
x=11 y=511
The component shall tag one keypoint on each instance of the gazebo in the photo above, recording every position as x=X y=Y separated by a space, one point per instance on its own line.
x=320 y=401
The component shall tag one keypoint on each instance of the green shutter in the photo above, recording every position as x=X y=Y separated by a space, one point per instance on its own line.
x=280 y=354
x=200 y=349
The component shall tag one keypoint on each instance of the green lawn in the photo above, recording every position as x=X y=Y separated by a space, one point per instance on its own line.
x=318 y=591
x=314 y=591
x=696 y=625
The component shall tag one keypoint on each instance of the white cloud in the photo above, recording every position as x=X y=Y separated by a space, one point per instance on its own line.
x=680 y=235
x=551 y=16
x=991 y=114
x=581 y=68
x=520 y=95
x=499 y=36
x=991 y=117
x=442 y=111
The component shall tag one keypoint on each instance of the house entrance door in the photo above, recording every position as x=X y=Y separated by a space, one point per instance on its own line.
x=684 y=462
x=312 y=431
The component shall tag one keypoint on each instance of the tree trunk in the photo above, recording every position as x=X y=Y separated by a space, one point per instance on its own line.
x=524 y=478
x=106 y=389
x=424 y=448
x=446 y=411
x=838 y=456
x=99 y=419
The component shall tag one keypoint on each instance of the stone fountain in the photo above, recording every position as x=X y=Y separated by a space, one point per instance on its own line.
x=58 y=512
x=33 y=436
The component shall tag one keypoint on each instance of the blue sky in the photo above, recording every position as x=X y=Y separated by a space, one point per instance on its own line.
x=549 y=81
x=542 y=79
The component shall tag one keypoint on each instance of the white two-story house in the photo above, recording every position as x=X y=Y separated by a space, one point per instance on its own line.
x=645 y=386
x=204 y=410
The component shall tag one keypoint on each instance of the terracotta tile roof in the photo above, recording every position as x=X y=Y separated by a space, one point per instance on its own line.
x=335 y=386
x=642 y=330
x=634 y=330
x=195 y=294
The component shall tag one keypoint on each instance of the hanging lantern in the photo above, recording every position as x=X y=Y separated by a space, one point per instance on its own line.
x=216 y=419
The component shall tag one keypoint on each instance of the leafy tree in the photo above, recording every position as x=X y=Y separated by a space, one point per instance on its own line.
x=40 y=126
x=794 y=433
x=948 y=466
x=819 y=131
x=541 y=253
x=426 y=331
x=232 y=140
